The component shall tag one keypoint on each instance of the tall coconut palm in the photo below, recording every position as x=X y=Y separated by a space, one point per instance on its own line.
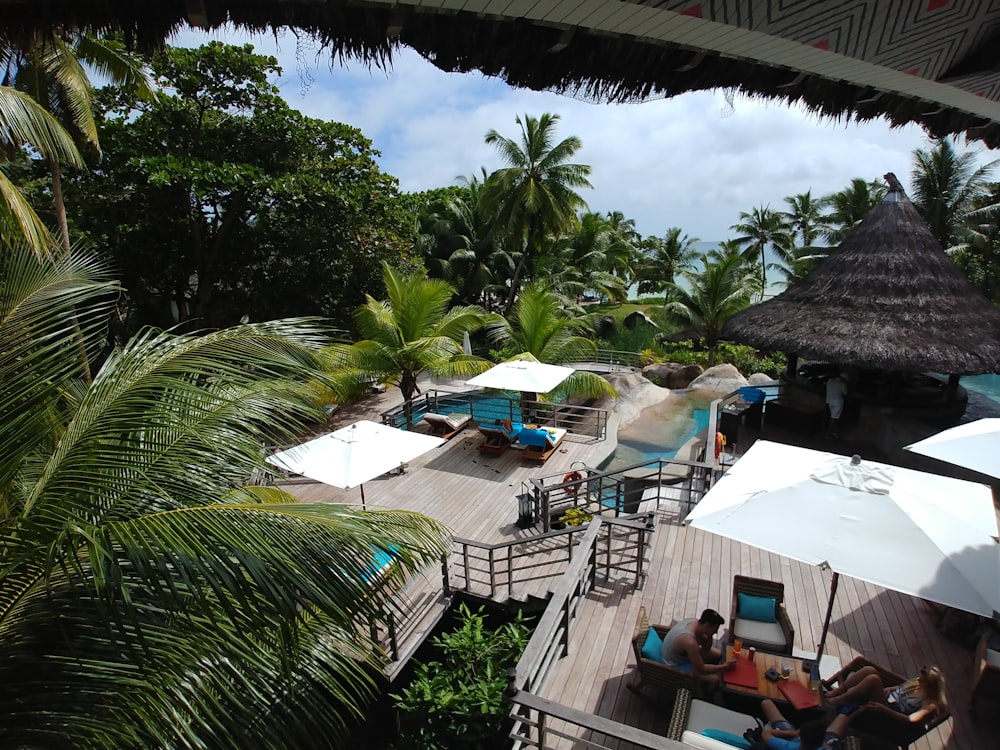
x=25 y=123
x=51 y=70
x=946 y=187
x=663 y=258
x=540 y=328
x=536 y=194
x=759 y=230
x=410 y=333
x=708 y=299
x=849 y=206
x=806 y=219
x=150 y=595
x=590 y=254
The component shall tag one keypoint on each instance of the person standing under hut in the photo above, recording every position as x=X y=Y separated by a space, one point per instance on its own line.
x=836 y=395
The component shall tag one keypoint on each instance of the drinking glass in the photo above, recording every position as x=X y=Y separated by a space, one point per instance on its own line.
x=737 y=647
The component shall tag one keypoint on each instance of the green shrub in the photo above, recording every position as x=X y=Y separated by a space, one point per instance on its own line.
x=746 y=359
x=458 y=702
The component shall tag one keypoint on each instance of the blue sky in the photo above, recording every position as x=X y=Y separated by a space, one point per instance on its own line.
x=689 y=161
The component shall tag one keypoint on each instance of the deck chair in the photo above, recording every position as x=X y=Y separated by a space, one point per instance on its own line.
x=882 y=722
x=497 y=437
x=540 y=443
x=446 y=426
x=758 y=615
x=656 y=674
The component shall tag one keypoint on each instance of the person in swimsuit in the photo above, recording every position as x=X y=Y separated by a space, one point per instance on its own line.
x=917 y=699
x=781 y=734
x=689 y=646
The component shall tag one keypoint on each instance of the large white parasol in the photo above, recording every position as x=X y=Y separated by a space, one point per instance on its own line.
x=921 y=534
x=523 y=375
x=352 y=455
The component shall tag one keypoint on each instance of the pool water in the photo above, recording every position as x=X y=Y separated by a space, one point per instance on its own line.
x=661 y=430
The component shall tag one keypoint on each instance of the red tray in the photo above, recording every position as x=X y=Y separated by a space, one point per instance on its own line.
x=745 y=674
x=798 y=694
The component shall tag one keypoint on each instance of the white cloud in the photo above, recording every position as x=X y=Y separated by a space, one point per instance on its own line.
x=676 y=162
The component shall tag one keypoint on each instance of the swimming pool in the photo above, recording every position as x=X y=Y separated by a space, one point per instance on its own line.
x=661 y=430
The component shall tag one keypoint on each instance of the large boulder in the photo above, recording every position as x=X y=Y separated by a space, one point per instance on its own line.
x=671 y=374
x=638 y=318
x=606 y=327
x=719 y=379
x=635 y=393
x=760 y=378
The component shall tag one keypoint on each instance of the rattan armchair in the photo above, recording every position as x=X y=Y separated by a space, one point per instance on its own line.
x=649 y=673
x=777 y=637
x=882 y=722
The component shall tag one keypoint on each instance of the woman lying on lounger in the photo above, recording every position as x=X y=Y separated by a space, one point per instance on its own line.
x=917 y=699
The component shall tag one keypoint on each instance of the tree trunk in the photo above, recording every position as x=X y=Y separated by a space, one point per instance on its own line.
x=60 y=208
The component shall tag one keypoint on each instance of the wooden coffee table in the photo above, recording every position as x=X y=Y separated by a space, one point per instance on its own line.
x=765 y=688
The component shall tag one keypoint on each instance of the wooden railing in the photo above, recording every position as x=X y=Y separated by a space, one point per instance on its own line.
x=505 y=570
x=550 y=641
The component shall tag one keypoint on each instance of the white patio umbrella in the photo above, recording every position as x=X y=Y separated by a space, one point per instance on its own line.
x=975 y=446
x=466 y=343
x=523 y=375
x=352 y=455
x=921 y=534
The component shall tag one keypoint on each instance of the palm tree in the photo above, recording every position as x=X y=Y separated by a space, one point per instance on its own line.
x=760 y=229
x=409 y=333
x=711 y=297
x=946 y=187
x=51 y=71
x=25 y=123
x=540 y=328
x=587 y=259
x=536 y=195
x=150 y=595
x=849 y=206
x=663 y=258
x=805 y=217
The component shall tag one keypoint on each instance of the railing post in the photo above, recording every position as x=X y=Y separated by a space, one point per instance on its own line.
x=445 y=583
x=567 y=620
x=465 y=564
x=493 y=578
x=393 y=645
x=541 y=730
x=542 y=507
x=510 y=571
x=607 y=555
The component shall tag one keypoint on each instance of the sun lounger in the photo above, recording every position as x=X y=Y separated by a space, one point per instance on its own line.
x=499 y=436
x=446 y=426
x=540 y=443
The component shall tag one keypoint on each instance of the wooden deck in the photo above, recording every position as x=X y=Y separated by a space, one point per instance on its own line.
x=474 y=495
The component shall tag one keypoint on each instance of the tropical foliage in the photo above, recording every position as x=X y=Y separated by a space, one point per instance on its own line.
x=248 y=208
x=763 y=229
x=458 y=702
x=150 y=594
x=411 y=332
x=535 y=195
x=542 y=329
x=708 y=299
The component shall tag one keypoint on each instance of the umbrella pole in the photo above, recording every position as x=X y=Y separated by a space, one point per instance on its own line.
x=829 y=613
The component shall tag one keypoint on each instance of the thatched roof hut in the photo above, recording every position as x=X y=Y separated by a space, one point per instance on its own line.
x=888 y=298
x=932 y=64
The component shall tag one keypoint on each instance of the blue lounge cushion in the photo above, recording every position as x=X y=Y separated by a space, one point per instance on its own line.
x=534 y=437
x=759 y=608
x=653 y=647
x=728 y=737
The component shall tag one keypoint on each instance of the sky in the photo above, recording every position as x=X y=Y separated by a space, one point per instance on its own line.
x=690 y=161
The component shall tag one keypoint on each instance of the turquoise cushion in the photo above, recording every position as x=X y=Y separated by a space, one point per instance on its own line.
x=653 y=647
x=759 y=608
x=728 y=737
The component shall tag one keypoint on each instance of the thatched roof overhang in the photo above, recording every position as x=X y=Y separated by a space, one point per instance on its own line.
x=888 y=298
x=932 y=63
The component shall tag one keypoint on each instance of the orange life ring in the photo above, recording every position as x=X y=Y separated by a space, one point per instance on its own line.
x=572 y=476
x=720 y=442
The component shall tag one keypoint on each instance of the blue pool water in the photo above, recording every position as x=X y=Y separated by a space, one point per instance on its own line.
x=661 y=430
